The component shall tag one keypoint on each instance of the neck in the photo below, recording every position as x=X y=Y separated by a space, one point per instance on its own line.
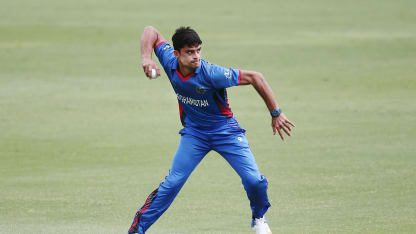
x=184 y=70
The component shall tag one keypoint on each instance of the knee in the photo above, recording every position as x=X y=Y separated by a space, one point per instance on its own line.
x=256 y=183
x=174 y=181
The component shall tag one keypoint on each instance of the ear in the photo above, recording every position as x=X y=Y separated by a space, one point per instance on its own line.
x=176 y=53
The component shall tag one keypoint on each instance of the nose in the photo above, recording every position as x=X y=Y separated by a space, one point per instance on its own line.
x=197 y=55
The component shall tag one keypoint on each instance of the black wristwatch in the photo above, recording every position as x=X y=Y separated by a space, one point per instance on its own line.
x=275 y=112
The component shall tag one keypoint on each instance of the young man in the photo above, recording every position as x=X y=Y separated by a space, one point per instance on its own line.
x=208 y=122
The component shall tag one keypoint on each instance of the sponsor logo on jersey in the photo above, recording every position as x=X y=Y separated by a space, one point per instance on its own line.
x=167 y=46
x=193 y=102
x=240 y=139
x=227 y=73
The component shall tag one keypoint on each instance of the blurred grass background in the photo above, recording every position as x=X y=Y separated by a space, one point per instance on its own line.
x=85 y=137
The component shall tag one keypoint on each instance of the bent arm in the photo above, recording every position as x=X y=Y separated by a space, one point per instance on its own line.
x=258 y=81
x=150 y=38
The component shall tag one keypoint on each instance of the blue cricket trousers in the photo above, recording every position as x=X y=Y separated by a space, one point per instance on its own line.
x=192 y=148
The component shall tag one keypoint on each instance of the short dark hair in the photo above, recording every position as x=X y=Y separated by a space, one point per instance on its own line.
x=185 y=36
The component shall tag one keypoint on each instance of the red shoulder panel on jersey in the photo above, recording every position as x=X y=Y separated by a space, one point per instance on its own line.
x=160 y=43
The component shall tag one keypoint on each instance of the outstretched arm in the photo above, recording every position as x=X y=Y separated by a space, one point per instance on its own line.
x=257 y=80
x=150 y=38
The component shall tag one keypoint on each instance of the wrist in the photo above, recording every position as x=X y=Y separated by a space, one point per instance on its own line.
x=146 y=57
x=276 y=112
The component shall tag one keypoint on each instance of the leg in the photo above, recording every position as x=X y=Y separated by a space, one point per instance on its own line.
x=235 y=149
x=190 y=152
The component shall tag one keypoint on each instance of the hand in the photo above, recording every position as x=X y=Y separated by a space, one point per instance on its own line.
x=280 y=123
x=148 y=65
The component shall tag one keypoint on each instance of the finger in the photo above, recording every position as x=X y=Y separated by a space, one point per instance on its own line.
x=291 y=123
x=149 y=74
x=145 y=68
x=286 y=131
x=281 y=134
x=274 y=130
x=157 y=72
x=287 y=126
x=149 y=68
x=146 y=71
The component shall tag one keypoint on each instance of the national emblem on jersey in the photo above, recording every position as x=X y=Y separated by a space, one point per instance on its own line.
x=200 y=89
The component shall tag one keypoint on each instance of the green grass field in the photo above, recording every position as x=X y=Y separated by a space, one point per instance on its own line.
x=85 y=137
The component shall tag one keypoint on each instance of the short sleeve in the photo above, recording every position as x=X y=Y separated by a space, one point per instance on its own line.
x=224 y=77
x=164 y=53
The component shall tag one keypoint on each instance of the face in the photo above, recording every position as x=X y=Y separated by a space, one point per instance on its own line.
x=189 y=56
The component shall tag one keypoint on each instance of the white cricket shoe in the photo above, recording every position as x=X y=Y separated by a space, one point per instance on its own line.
x=260 y=226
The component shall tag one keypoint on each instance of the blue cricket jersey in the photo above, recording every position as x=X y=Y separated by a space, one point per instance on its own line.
x=202 y=96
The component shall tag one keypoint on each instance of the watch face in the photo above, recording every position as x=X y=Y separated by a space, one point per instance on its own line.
x=275 y=112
